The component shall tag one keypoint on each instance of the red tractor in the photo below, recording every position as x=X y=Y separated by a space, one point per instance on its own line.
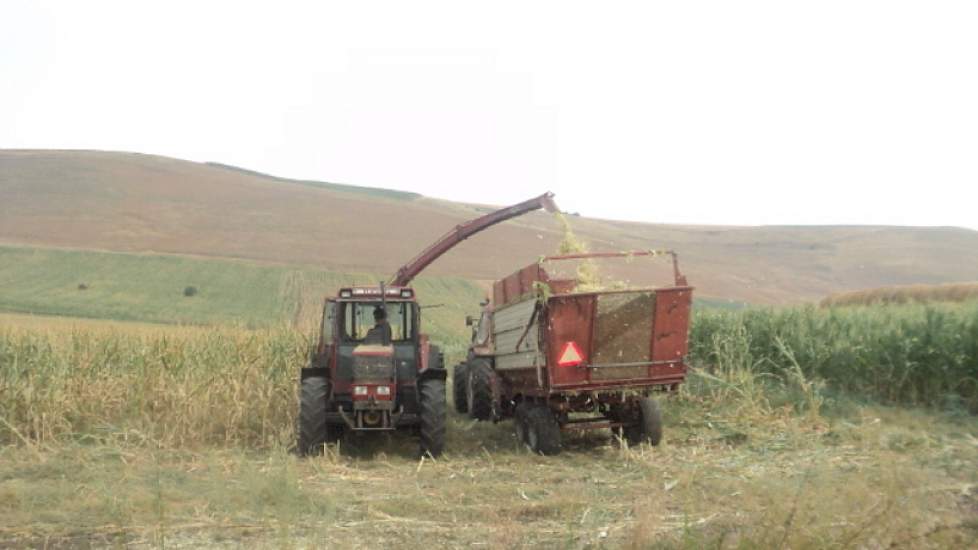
x=373 y=370
x=557 y=358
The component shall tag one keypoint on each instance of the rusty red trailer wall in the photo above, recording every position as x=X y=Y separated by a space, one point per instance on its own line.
x=515 y=286
x=633 y=338
x=671 y=333
x=519 y=284
x=569 y=320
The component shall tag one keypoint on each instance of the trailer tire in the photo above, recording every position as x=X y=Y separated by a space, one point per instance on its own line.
x=479 y=387
x=433 y=411
x=648 y=428
x=314 y=431
x=519 y=422
x=542 y=431
x=460 y=383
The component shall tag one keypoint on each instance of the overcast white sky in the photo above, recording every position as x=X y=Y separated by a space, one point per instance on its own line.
x=779 y=112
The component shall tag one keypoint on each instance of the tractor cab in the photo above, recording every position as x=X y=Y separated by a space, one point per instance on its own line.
x=358 y=314
x=369 y=344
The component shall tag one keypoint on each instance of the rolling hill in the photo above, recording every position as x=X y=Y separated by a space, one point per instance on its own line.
x=146 y=204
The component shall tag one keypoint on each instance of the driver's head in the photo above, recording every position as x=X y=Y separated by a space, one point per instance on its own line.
x=379 y=314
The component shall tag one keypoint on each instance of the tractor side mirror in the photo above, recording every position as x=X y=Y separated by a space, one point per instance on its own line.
x=469 y=320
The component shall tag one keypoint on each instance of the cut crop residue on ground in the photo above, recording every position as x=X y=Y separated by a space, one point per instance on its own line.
x=878 y=477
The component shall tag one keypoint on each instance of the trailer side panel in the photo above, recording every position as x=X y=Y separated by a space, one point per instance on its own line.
x=570 y=322
x=513 y=325
x=670 y=334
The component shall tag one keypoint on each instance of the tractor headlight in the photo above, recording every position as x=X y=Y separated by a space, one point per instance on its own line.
x=383 y=390
x=359 y=390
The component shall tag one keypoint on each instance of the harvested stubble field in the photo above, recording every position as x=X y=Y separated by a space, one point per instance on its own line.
x=157 y=437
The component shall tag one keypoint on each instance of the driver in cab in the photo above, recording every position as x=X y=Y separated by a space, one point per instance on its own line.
x=380 y=333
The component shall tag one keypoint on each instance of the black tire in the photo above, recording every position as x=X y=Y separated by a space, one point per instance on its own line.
x=542 y=431
x=647 y=427
x=433 y=410
x=652 y=420
x=479 y=398
x=312 y=428
x=436 y=359
x=519 y=422
x=460 y=383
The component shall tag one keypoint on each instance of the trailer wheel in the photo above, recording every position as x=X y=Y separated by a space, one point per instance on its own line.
x=648 y=425
x=479 y=398
x=433 y=409
x=542 y=430
x=460 y=383
x=519 y=422
x=313 y=430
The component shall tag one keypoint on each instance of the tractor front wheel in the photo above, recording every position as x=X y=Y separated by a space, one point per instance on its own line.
x=313 y=430
x=433 y=410
x=542 y=430
x=460 y=383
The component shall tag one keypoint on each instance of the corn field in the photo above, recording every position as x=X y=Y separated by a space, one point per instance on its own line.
x=236 y=388
x=898 y=354
x=229 y=387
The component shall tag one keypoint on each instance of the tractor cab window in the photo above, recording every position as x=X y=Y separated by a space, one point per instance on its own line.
x=359 y=318
x=329 y=313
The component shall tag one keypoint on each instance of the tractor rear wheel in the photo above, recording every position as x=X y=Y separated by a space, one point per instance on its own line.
x=479 y=398
x=433 y=410
x=313 y=430
x=460 y=383
x=542 y=430
x=647 y=427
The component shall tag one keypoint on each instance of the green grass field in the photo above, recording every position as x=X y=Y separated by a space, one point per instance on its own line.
x=150 y=288
x=139 y=288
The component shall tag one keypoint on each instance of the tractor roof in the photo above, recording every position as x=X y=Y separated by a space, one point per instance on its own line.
x=392 y=293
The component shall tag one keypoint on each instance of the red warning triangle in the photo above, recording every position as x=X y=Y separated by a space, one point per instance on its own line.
x=570 y=356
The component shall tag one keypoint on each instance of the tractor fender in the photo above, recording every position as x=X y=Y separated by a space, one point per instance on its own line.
x=432 y=364
x=433 y=374
x=308 y=372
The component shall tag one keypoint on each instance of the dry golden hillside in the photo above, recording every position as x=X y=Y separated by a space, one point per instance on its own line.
x=144 y=203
